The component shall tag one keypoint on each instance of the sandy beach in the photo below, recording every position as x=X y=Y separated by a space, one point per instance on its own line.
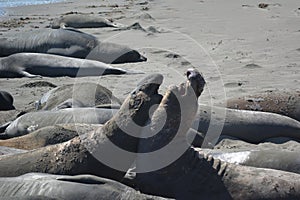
x=240 y=47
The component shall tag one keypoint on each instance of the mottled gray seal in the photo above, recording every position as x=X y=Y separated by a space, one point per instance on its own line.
x=32 y=121
x=48 y=186
x=38 y=64
x=82 y=21
x=194 y=175
x=72 y=157
x=49 y=135
x=68 y=42
x=6 y=101
x=81 y=94
x=281 y=102
x=250 y=126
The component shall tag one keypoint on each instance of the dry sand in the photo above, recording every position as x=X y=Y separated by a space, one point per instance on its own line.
x=238 y=46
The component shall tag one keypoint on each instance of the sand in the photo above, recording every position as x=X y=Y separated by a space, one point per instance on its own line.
x=239 y=47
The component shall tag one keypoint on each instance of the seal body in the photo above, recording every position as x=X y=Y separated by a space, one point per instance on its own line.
x=6 y=101
x=82 y=21
x=49 y=186
x=250 y=126
x=32 y=121
x=76 y=95
x=281 y=102
x=38 y=64
x=70 y=43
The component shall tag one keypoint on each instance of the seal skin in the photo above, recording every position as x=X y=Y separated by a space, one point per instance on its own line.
x=281 y=102
x=82 y=94
x=263 y=158
x=82 y=21
x=47 y=186
x=72 y=157
x=32 y=121
x=70 y=43
x=49 y=135
x=250 y=126
x=39 y=64
x=195 y=175
x=6 y=101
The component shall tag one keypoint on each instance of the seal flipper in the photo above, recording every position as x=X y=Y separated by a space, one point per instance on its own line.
x=3 y=127
x=28 y=75
x=85 y=179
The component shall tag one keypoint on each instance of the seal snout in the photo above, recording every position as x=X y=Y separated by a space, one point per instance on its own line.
x=195 y=80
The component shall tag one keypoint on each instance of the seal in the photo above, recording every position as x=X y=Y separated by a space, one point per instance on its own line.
x=194 y=175
x=281 y=102
x=263 y=158
x=86 y=94
x=32 y=121
x=38 y=64
x=249 y=126
x=83 y=21
x=6 y=101
x=70 y=43
x=49 y=135
x=48 y=186
x=55 y=159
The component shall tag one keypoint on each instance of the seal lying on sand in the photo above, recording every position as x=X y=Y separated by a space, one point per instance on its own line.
x=250 y=126
x=65 y=187
x=32 y=121
x=81 y=94
x=6 y=101
x=193 y=175
x=281 y=102
x=38 y=64
x=10 y=150
x=68 y=42
x=82 y=21
x=49 y=135
x=72 y=157
x=272 y=158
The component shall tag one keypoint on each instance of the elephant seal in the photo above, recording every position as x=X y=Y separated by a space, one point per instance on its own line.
x=76 y=95
x=82 y=21
x=49 y=135
x=73 y=157
x=249 y=126
x=6 y=101
x=5 y=150
x=32 y=121
x=281 y=102
x=194 y=175
x=39 y=64
x=70 y=43
x=263 y=158
x=48 y=186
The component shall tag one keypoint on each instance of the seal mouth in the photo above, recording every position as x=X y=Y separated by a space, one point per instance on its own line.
x=194 y=85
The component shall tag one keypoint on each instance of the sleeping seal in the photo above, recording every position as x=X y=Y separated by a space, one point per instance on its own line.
x=38 y=64
x=82 y=21
x=70 y=43
x=39 y=186
x=281 y=102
